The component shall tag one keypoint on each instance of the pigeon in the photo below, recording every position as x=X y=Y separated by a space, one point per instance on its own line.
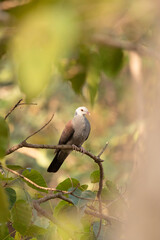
x=75 y=133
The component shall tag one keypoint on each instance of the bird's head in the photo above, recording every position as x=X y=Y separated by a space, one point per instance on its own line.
x=81 y=111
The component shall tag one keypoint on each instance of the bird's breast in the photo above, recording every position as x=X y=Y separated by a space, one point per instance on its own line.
x=82 y=129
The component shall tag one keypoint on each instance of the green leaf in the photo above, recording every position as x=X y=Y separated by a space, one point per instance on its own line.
x=35 y=177
x=111 y=60
x=67 y=183
x=35 y=230
x=4 y=205
x=5 y=178
x=95 y=176
x=4 y=231
x=110 y=191
x=74 y=199
x=84 y=187
x=79 y=201
x=39 y=44
x=96 y=230
x=75 y=68
x=93 y=79
x=14 y=167
x=18 y=236
x=21 y=216
x=11 y=193
x=60 y=206
x=4 y=137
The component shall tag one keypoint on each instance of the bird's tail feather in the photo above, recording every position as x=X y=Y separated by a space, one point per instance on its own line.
x=57 y=161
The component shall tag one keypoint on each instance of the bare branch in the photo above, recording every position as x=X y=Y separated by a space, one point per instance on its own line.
x=53 y=196
x=102 y=151
x=17 y=105
x=40 y=128
x=12 y=109
x=46 y=146
x=103 y=216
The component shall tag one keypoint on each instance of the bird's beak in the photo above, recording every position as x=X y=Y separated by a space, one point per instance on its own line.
x=88 y=113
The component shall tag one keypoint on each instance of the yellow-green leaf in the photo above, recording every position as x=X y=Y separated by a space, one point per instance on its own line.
x=4 y=137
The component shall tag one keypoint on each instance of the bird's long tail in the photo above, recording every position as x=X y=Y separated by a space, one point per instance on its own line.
x=58 y=160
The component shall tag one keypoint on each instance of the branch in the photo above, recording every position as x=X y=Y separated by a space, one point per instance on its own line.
x=103 y=39
x=17 y=105
x=47 y=146
x=39 y=129
x=100 y=187
x=34 y=184
x=103 y=216
x=12 y=109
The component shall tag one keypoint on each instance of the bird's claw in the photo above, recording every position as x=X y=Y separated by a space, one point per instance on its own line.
x=80 y=149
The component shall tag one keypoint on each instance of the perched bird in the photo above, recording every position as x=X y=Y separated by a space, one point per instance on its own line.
x=75 y=133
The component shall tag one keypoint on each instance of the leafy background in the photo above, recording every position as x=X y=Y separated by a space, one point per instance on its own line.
x=62 y=55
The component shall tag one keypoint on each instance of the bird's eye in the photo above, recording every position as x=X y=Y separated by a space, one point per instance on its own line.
x=82 y=110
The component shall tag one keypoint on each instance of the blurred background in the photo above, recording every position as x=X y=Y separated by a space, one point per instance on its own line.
x=100 y=54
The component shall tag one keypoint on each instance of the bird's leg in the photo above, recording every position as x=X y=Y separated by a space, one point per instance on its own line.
x=82 y=150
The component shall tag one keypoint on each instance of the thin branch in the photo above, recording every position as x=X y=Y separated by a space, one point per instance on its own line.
x=12 y=109
x=34 y=184
x=102 y=151
x=40 y=128
x=103 y=216
x=103 y=39
x=53 y=196
x=17 y=105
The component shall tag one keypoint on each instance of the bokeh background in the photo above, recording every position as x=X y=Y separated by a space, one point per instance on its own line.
x=100 y=54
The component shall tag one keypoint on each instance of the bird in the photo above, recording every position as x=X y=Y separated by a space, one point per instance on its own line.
x=75 y=133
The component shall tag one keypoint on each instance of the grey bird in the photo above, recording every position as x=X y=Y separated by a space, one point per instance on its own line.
x=75 y=133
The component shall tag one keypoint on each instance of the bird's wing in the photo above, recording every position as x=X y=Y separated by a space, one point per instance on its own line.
x=67 y=133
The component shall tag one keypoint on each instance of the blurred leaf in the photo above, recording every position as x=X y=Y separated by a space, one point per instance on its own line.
x=67 y=183
x=4 y=137
x=60 y=206
x=5 y=178
x=3 y=231
x=75 y=68
x=11 y=196
x=4 y=211
x=95 y=176
x=34 y=231
x=14 y=167
x=84 y=187
x=39 y=44
x=81 y=202
x=93 y=79
x=21 y=216
x=35 y=177
x=74 y=199
x=111 y=60
x=102 y=234
x=110 y=191
x=18 y=236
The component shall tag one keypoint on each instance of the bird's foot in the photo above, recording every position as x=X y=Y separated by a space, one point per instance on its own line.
x=80 y=149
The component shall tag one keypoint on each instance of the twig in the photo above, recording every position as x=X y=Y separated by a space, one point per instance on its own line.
x=40 y=128
x=103 y=216
x=12 y=109
x=17 y=105
x=103 y=39
x=34 y=184
x=102 y=151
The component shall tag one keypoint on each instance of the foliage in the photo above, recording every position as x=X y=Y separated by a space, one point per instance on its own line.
x=60 y=55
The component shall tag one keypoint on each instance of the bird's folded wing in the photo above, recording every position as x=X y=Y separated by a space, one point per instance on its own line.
x=67 y=133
